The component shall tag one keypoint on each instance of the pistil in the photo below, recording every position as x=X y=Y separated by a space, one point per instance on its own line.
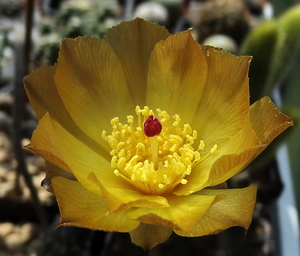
x=152 y=128
x=154 y=150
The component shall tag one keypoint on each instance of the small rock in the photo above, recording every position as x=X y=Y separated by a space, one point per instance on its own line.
x=7 y=189
x=21 y=236
x=6 y=228
x=5 y=147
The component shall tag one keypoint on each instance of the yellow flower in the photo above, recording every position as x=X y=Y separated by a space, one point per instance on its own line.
x=141 y=129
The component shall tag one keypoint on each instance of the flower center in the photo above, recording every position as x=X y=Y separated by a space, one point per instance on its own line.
x=154 y=154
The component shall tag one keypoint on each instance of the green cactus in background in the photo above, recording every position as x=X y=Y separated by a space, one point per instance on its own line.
x=260 y=44
x=272 y=44
x=287 y=44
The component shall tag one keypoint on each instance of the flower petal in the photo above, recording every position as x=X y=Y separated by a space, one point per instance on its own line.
x=133 y=43
x=43 y=95
x=177 y=75
x=92 y=86
x=53 y=171
x=184 y=213
x=229 y=165
x=78 y=207
x=119 y=198
x=228 y=160
x=225 y=98
x=242 y=149
x=41 y=90
x=267 y=121
x=58 y=146
x=147 y=236
x=236 y=209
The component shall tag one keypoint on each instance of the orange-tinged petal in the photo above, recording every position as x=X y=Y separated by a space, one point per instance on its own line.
x=147 y=236
x=119 y=198
x=177 y=75
x=133 y=43
x=78 y=207
x=236 y=209
x=92 y=86
x=229 y=165
x=224 y=104
x=58 y=146
x=267 y=121
x=184 y=213
x=43 y=95
x=236 y=154
x=228 y=160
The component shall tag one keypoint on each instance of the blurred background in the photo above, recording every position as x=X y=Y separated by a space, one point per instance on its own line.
x=30 y=36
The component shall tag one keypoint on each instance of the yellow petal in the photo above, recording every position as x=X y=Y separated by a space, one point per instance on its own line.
x=238 y=152
x=147 y=236
x=177 y=74
x=78 y=207
x=267 y=121
x=53 y=171
x=229 y=159
x=120 y=198
x=42 y=93
x=133 y=43
x=236 y=209
x=229 y=165
x=58 y=146
x=92 y=86
x=184 y=213
x=224 y=104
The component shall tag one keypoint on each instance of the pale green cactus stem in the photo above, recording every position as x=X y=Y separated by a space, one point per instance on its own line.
x=272 y=44
x=260 y=44
x=287 y=44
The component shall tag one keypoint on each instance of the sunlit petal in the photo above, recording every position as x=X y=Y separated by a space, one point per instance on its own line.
x=43 y=95
x=183 y=214
x=177 y=79
x=133 y=45
x=59 y=147
x=78 y=207
x=235 y=209
x=267 y=121
x=224 y=104
x=228 y=160
x=121 y=198
x=91 y=83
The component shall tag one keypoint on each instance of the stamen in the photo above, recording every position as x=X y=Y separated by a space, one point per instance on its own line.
x=157 y=155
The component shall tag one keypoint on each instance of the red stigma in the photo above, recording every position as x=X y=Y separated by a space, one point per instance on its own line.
x=152 y=126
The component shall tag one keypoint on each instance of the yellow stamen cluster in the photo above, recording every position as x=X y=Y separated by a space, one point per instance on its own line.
x=154 y=165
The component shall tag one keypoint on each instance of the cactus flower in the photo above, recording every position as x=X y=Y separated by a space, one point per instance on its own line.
x=141 y=130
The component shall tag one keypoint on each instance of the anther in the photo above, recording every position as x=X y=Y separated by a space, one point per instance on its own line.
x=152 y=126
